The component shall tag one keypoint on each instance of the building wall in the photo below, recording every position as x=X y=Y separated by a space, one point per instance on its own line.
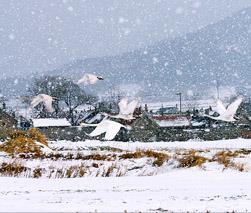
x=66 y=133
x=149 y=134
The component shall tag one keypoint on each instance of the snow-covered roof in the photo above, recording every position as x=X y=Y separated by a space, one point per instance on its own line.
x=95 y=118
x=173 y=123
x=50 y=122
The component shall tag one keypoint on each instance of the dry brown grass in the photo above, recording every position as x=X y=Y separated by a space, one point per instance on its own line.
x=191 y=159
x=225 y=158
x=109 y=171
x=12 y=169
x=160 y=157
x=37 y=173
x=23 y=142
x=75 y=171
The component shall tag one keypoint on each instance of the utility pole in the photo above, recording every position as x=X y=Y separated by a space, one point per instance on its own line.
x=217 y=88
x=179 y=94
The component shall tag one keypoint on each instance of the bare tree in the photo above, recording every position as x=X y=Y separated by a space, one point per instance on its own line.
x=65 y=90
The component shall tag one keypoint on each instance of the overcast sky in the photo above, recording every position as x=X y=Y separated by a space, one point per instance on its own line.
x=39 y=35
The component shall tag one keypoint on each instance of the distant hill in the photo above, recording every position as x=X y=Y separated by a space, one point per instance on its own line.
x=220 y=51
x=190 y=64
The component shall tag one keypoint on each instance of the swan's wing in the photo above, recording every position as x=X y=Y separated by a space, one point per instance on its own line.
x=83 y=80
x=36 y=100
x=131 y=106
x=123 y=104
x=88 y=79
x=220 y=108
x=92 y=78
x=232 y=108
x=48 y=104
x=112 y=130
x=101 y=128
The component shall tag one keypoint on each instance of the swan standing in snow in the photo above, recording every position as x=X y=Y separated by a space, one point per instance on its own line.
x=110 y=128
x=126 y=109
x=226 y=114
x=45 y=99
x=89 y=79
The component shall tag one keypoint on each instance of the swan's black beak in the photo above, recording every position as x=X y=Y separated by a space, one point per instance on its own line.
x=100 y=78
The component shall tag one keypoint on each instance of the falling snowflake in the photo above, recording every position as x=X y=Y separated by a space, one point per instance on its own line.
x=196 y=5
x=155 y=60
x=179 y=72
x=122 y=20
x=101 y=21
x=70 y=9
x=190 y=92
x=179 y=10
x=11 y=36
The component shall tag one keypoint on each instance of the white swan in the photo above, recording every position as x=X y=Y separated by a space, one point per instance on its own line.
x=126 y=109
x=45 y=99
x=89 y=79
x=226 y=114
x=110 y=128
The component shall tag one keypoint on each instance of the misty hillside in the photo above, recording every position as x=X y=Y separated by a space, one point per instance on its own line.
x=220 y=51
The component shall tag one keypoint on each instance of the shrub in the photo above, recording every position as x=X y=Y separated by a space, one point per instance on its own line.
x=109 y=171
x=191 y=159
x=224 y=157
x=37 y=173
x=75 y=171
x=24 y=142
x=36 y=135
x=12 y=169
x=160 y=157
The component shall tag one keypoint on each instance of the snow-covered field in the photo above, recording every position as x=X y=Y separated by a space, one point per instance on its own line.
x=210 y=187
x=183 y=190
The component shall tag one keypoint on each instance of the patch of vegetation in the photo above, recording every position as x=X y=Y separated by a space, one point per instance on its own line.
x=37 y=173
x=12 y=169
x=160 y=157
x=244 y=151
x=109 y=171
x=107 y=148
x=225 y=158
x=75 y=171
x=24 y=142
x=191 y=159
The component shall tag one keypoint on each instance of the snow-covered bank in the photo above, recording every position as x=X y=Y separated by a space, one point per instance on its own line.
x=178 y=190
x=187 y=176
x=132 y=146
x=68 y=159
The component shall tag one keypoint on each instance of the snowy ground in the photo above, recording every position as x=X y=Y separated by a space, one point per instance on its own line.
x=168 y=187
x=132 y=146
x=183 y=190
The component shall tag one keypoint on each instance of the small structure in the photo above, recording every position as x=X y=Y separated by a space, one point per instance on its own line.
x=144 y=129
x=167 y=110
x=170 y=121
x=50 y=122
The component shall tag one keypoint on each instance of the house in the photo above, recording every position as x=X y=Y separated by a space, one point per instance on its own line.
x=7 y=120
x=172 y=121
x=50 y=122
x=143 y=129
x=167 y=110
